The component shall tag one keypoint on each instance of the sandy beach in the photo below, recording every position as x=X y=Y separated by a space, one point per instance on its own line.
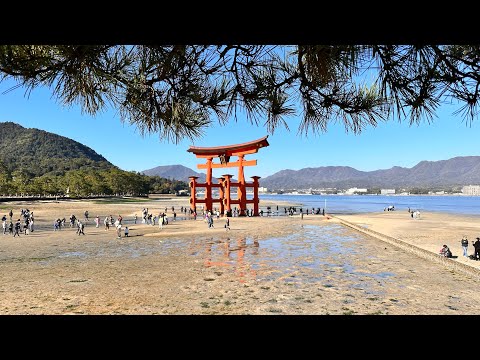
x=429 y=232
x=262 y=265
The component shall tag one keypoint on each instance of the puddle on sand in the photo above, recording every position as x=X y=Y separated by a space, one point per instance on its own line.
x=313 y=254
x=325 y=254
x=72 y=254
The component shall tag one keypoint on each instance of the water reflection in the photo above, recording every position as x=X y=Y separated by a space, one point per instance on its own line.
x=327 y=255
x=230 y=253
x=323 y=254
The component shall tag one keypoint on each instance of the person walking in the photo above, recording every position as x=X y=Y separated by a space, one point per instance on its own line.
x=126 y=231
x=17 y=228
x=227 y=224
x=31 y=222
x=464 y=242
x=80 y=227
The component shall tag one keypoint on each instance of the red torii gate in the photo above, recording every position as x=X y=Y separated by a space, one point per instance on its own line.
x=224 y=183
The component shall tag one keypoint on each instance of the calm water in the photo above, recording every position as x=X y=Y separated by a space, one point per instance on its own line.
x=351 y=204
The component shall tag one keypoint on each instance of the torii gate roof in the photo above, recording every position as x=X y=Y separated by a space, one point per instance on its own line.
x=250 y=147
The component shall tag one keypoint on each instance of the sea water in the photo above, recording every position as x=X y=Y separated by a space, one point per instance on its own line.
x=353 y=204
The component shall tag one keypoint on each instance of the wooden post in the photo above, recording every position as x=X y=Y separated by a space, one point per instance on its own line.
x=227 y=197
x=208 y=188
x=256 y=200
x=241 y=190
x=221 y=191
x=193 y=189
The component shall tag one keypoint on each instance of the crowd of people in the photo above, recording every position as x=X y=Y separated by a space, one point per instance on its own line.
x=23 y=224
x=445 y=250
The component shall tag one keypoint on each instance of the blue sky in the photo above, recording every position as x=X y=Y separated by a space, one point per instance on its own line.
x=389 y=144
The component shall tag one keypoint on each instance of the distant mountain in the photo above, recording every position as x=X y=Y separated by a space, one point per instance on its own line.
x=39 y=152
x=458 y=171
x=177 y=172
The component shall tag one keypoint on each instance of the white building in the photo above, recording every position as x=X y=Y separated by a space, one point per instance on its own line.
x=471 y=190
x=387 y=191
x=355 y=190
x=262 y=189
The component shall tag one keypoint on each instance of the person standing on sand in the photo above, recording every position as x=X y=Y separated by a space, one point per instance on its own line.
x=135 y=219
x=227 y=224
x=476 y=245
x=119 y=231
x=464 y=242
x=11 y=214
x=97 y=221
x=17 y=228
x=126 y=231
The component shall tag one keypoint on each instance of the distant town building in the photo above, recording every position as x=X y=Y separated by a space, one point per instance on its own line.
x=262 y=189
x=387 y=191
x=355 y=190
x=471 y=190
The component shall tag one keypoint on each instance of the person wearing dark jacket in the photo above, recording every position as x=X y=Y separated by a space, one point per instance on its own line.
x=476 y=245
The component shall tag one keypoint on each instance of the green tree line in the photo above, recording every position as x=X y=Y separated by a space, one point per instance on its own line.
x=86 y=182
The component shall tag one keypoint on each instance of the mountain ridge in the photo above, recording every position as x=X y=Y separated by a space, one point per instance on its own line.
x=457 y=171
x=177 y=172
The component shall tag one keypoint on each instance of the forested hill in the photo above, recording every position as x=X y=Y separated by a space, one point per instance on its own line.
x=39 y=152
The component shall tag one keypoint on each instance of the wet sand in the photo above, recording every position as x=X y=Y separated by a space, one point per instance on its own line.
x=430 y=232
x=268 y=265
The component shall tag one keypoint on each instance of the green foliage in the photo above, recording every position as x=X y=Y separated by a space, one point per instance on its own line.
x=38 y=162
x=88 y=182
x=418 y=191
x=161 y=185
x=36 y=152
x=176 y=90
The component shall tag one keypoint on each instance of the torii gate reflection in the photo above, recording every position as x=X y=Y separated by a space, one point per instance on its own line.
x=242 y=267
